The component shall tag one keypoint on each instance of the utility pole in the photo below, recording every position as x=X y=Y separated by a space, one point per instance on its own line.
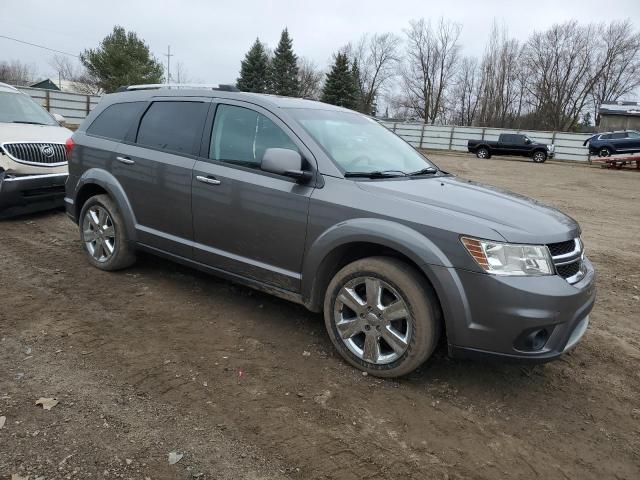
x=168 y=55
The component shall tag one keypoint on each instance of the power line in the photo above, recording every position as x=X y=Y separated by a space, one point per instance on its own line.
x=40 y=46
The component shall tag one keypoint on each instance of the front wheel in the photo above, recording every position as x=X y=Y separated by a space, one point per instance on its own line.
x=539 y=156
x=604 y=152
x=382 y=316
x=103 y=234
x=483 y=153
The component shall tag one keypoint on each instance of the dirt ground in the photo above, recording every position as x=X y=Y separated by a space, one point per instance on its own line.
x=161 y=358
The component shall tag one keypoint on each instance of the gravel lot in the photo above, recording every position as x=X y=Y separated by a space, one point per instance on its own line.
x=161 y=358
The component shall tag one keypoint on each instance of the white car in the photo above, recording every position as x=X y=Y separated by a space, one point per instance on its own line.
x=33 y=163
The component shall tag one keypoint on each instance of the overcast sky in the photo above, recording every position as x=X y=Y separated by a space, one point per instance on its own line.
x=211 y=37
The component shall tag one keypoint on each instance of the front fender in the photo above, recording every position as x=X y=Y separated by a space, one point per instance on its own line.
x=105 y=180
x=401 y=238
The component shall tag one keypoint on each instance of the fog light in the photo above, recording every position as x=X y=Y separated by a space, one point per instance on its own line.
x=536 y=339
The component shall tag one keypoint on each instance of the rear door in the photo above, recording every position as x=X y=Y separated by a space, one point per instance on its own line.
x=247 y=221
x=155 y=165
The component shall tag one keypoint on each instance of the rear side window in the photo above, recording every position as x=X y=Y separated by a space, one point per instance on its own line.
x=173 y=126
x=619 y=135
x=241 y=136
x=114 y=122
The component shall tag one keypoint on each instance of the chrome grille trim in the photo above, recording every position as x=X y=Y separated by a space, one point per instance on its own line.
x=30 y=153
x=575 y=256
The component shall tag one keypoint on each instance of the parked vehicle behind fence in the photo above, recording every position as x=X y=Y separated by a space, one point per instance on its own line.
x=512 y=144
x=612 y=143
x=325 y=207
x=33 y=165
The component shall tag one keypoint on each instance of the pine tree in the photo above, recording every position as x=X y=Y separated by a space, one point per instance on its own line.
x=122 y=59
x=254 y=69
x=283 y=78
x=340 y=88
x=359 y=89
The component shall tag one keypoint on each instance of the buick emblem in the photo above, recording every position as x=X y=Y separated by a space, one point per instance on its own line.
x=47 y=151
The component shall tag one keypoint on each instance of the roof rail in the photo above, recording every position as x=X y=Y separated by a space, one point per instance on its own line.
x=177 y=86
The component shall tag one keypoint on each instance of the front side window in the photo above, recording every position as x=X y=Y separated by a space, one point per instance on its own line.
x=20 y=108
x=115 y=121
x=241 y=136
x=619 y=135
x=172 y=126
x=358 y=143
x=633 y=134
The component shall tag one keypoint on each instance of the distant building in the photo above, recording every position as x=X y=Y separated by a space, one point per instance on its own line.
x=46 y=84
x=619 y=116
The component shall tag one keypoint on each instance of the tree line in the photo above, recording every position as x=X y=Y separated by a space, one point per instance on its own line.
x=555 y=80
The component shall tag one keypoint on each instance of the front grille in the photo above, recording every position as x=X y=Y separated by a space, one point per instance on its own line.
x=37 y=153
x=569 y=270
x=567 y=258
x=561 y=248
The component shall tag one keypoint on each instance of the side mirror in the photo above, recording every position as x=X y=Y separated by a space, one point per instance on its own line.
x=527 y=141
x=284 y=162
x=59 y=118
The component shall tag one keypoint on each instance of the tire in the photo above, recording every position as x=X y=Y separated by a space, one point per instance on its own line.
x=107 y=247
x=604 y=152
x=539 y=156
x=483 y=152
x=402 y=286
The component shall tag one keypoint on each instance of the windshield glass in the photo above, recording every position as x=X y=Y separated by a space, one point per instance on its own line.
x=19 y=108
x=359 y=144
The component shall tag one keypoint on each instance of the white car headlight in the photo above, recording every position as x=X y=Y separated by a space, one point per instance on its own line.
x=508 y=258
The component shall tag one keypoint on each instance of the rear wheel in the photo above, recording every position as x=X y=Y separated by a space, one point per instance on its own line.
x=604 y=152
x=483 y=152
x=382 y=316
x=104 y=236
x=539 y=156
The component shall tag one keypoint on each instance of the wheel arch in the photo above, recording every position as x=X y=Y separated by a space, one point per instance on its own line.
x=361 y=238
x=97 y=181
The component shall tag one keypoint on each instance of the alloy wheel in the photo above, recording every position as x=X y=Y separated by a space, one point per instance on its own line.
x=99 y=234
x=373 y=320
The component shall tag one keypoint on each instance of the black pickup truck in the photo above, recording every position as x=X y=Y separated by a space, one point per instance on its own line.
x=512 y=144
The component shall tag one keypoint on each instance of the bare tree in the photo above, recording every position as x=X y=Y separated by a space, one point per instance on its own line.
x=501 y=98
x=180 y=74
x=429 y=67
x=562 y=69
x=309 y=79
x=620 y=53
x=467 y=92
x=376 y=57
x=15 y=72
x=79 y=80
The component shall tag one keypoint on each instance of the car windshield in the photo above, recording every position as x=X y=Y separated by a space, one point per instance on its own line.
x=19 y=108
x=359 y=144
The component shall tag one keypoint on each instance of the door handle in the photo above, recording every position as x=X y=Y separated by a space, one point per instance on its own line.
x=125 y=160
x=209 y=180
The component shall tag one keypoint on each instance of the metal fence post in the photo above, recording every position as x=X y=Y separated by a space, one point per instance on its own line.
x=453 y=128
x=422 y=135
x=483 y=134
x=88 y=104
x=47 y=100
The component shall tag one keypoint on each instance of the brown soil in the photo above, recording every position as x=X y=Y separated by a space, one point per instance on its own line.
x=161 y=359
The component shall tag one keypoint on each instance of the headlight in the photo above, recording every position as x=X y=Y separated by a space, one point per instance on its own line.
x=551 y=148
x=508 y=258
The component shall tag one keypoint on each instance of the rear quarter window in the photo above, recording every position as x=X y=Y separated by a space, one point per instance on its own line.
x=115 y=121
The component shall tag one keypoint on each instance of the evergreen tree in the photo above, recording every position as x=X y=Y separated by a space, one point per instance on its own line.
x=122 y=59
x=359 y=88
x=254 y=69
x=284 y=68
x=340 y=88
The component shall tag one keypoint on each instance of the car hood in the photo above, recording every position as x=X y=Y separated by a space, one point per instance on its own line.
x=24 y=132
x=514 y=217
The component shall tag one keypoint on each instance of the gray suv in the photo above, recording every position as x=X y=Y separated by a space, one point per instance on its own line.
x=325 y=207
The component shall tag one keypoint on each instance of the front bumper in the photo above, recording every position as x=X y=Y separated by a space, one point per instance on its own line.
x=489 y=315
x=20 y=195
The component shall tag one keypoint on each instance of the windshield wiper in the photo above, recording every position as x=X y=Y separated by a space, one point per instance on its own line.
x=377 y=174
x=30 y=123
x=424 y=171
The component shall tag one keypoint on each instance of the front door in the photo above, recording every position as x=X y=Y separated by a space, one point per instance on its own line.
x=247 y=221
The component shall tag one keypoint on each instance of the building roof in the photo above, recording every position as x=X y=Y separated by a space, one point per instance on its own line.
x=621 y=108
x=47 y=84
